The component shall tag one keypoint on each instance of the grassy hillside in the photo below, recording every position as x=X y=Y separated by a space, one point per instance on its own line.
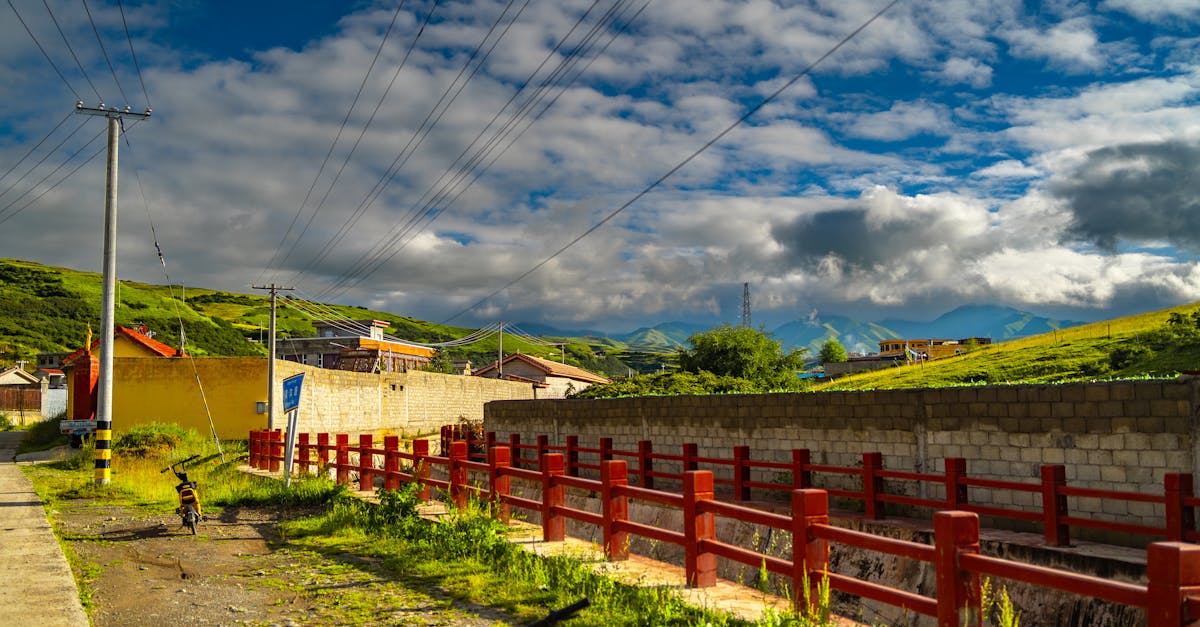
x=47 y=309
x=1143 y=345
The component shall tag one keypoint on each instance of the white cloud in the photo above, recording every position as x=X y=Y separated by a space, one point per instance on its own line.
x=964 y=70
x=1157 y=11
x=902 y=121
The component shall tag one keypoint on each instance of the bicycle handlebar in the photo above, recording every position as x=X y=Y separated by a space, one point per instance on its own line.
x=179 y=463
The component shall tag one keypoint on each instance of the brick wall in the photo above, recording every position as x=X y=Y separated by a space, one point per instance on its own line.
x=1117 y=436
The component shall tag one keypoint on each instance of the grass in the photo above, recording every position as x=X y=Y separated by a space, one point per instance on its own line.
x=1075 y=354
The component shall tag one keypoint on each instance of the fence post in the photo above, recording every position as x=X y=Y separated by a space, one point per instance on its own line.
x=322 y=451
x=366 y=462
x=499 y=457
x=1181 y=517
x=690 y=453
x=253 y=446
x=421 y=468
x=1173 y=570
x=872 y=485
x=554 y=525
x=572 y=456
x=304 y=448
x=741 y=473
x=700 y=565
x=605 y=450
x=1054 y=505
x=458 y=474
x=446 y=435
x=958 y=595
x=391 y=462
x=801 y=476
x=615 y=509
x=956 y=493
x=489 y=440
x=276 y=451
x=645 y=464
x=514 y=444
x=810 y=555
x=343 y=458
x=543 y=446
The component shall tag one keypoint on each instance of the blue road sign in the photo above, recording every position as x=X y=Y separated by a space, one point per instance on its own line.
x=291 y=392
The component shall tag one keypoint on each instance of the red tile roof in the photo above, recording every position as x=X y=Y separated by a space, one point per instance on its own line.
x=551 y=368
x=135 y=336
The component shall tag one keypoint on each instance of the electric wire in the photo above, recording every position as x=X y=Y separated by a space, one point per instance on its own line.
x=43 y=50
x=72 y=51
x=136 y=66
x=104 y=52
x=372 y=259
x=755 y=109
x=18 y=163
x=46 y=156
x=378 y=105
x=174 y=301
x=47 y=176
x=342 y=322
x=336 y=138
x=437 y=205
x=422 y=131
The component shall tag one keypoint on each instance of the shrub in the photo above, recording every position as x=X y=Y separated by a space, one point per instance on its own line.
x=1122 y=357
x=152 y=440
x=5 y=423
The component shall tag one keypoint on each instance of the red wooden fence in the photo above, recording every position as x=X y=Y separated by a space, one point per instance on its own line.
x=1173 y=567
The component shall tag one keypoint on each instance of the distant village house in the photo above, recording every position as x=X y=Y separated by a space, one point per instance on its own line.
x=550 y=379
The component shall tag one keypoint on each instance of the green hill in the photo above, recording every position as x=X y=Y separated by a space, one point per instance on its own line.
x=1144 y=345
x=46 y=309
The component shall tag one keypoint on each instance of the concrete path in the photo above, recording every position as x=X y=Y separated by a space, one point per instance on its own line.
x=38 y=587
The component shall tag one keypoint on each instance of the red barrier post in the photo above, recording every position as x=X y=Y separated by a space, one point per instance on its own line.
x=421 y=467
x=958 y=595
x=956 y=492
x=690 y=452
x=252 y=445
x=446 y=435
x=614 y=473
x=343 y=458
x=514 y=444
x=304 y=448
x=572 y=458
x=700 y=566
x=1173 y=570
x=498 y=457
x=605 y=450
x=554 y=497
x=322 y=451
x=1054 y=505
x=1181 y=518
x=543 y=446
x=489 y=440
x=810 y=555
x=801 y=476
x=276 y=455
x=741 y=473
x=366 y=462
x=458 y=474
x=391 y=462
x=645 y=464
x=872 y=485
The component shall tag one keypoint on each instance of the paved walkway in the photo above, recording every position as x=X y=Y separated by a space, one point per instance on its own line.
x=38 y=587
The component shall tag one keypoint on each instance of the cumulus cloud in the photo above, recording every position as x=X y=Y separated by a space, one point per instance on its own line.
x=1162 y=12
x=1139 y=193
x=963 y=70
x=901 y=121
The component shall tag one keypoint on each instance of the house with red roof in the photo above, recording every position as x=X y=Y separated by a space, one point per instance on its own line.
x=82 y=367
x=550 y=379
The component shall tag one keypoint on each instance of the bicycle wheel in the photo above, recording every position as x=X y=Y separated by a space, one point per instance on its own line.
x=189 y=519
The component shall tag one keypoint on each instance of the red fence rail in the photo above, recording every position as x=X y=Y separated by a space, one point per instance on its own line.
x=1173 y=569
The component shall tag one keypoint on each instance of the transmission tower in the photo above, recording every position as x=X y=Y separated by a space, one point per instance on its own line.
x=746 y=305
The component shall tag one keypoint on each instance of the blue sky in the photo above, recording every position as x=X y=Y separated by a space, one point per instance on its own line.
x=1041 y=155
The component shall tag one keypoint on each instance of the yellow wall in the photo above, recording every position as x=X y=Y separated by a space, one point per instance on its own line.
x=154 y=389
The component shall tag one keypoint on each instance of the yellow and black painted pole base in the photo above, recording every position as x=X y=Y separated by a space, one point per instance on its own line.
x=103 y=452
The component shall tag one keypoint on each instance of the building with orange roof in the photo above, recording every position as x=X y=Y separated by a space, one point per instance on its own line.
x=82 y=367
x=550 y=379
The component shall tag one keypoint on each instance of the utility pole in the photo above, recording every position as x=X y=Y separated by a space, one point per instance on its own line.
x=746 y=305
x=275 y=289
x=500 y=354
x=103 y=468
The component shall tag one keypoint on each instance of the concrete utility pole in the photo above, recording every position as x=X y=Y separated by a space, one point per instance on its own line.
x=108 y=301
x=500 y=354
x=275 y=289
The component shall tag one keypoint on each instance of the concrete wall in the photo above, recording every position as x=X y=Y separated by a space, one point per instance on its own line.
x=1119 y=436
x=165 y=390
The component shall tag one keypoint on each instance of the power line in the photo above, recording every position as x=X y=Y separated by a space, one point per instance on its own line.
x=48 y=154
x=32 y=150
x=72 y=51
x=755 y=109
x=104 y=52
x=133 y=54
x=332 y=145
x=50 y=174
x=43 y=50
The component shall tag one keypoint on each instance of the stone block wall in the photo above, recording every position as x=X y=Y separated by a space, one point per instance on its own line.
x=1116 y=436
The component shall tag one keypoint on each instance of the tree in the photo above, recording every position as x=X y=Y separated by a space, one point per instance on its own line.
x=744 y=353
x=832 y=352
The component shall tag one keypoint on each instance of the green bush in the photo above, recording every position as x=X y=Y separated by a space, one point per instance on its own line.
x=5 y=423
x=151 y=440
x=1122 y=357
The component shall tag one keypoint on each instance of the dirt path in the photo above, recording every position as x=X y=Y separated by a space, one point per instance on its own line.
x=147 y=570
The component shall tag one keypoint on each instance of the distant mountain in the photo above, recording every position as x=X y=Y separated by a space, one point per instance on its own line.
x=998 y=323
x=664 y=337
